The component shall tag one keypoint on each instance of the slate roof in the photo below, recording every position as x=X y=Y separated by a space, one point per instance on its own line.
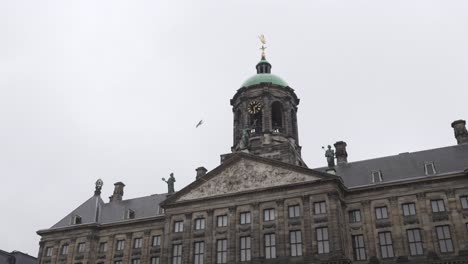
x=404 y=166
x=96 y=211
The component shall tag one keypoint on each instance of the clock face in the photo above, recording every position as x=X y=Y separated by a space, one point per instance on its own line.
x=254 y=107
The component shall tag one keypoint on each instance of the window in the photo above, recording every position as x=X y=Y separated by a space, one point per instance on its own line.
x=177 y=254
x=120 y=245
x=137 y=242
x=381 y=212
x=269 y=214
x=409 y=209
x=277 y=117
x=135 y=261
x=359 y=249
x=199 y=223
x=429 y=168
x=294 y=211
x=438 y=206
x=320 y=207
x=199 y=252
x=156 y=241
x=81 y=247
x=222 y=220
x=130 y=214
x=245 y=249
x=376 y=176
x=386 y=244
x=118 y=262
x=444 y=238
x=221 y=251
x=102 y=247
x=76 y=220
x=322 y=240
x=354 y=216
x=415 y=242
x=49 y=251
x=155 y=260
x=295 y=240
x=64 y=250
x=245 y=218
x=270 y=246
x=179 y=226
x=464 y=202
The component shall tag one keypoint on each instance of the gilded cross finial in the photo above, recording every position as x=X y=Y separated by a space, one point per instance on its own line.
x=263 y=40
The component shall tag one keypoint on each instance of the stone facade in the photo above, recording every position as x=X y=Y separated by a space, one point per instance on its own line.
x=263 y=205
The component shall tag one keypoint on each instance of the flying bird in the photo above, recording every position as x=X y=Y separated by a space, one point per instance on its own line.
x=199 y=123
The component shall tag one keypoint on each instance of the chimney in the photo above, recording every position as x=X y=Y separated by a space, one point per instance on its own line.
x=118 y=192
x=340 y=152
x=201 y=171
x=461 y=134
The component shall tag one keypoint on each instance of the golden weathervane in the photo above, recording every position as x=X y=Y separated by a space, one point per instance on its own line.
x=263 y=40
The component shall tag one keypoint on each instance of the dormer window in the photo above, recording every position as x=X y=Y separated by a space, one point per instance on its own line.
x=376 y=176
x=76 y=220
x=130 y=214
x=429 y=168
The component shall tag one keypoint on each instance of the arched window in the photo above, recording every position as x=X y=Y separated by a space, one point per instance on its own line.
x=277 y=117
x=256 y=123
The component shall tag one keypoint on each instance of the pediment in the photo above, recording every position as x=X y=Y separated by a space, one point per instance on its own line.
x=245 y=175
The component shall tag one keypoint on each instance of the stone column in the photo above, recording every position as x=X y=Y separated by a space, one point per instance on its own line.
x=368 y=227
x=307 y=234
x=233 y=244
x=187 y=256
x=397 y=228
x=334 y=224
x=281 y=231
x=256 y=234
x=210 y=239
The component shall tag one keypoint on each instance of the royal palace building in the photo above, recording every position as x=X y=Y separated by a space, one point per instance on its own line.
x=262 y=204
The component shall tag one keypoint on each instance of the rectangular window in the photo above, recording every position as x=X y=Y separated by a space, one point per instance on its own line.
x=320 y=207
x=49 y=251
x=137 y=242
x=245 y=218
x=415 y=242
x=464 y=202
x=355 y=216
x=270 y=246
x=179 y=226
x=156 y=241
x=295 y=239
x=269 y=214
x=409 y=209
x=222 y=220
x=64 y=250
x=102 y=247
x=155 y=260
x=135 y=261
x=444 y=238
x=177 y=254
x=81 y=247
x=438 y=206
x=200 y=224
x=323 y=244
x=221 y=251
x=381 y=212
x=386 y=244
x=429 y=168
x=199 y=252
x=120 y=245
x=359 y=249
x=294 y=211
x=377 y=176
x=245 y=249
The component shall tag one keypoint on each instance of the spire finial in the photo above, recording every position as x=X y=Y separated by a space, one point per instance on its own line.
x=263 y=40
x=99 y=183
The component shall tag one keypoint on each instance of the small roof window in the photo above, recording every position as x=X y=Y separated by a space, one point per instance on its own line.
x=76 y=220
x=429 y=168
x=376 y=176
x=130 y=214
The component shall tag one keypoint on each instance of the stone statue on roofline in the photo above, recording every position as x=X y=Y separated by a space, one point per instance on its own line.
x=330 y=155
x=170 y=183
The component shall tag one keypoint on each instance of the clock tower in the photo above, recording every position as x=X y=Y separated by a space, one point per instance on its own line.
x=265 y=122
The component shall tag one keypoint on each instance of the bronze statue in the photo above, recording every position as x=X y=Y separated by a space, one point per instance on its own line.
x=330 y=155
x=170 y=183
x=245 y=139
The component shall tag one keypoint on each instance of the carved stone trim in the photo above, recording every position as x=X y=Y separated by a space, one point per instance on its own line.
x=410 y=219
x=199 y=233
x=156 y=249
x=177 y=236
x=381 y=223
x=440 y=216
x=450 y=193
x=136 y=251
x=321 y=219
x=118 y=254
x=279 y=202
x=244 y=228
x=269 y=225
x=421 y=196
x=294 y=221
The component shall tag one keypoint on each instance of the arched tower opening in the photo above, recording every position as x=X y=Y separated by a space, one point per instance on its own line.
x=256 y=123
x=277 y=117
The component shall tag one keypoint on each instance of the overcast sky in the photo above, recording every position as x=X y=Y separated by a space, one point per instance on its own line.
x=113 y=89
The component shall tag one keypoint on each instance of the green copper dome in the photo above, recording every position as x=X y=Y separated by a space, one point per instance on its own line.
x=264 y=78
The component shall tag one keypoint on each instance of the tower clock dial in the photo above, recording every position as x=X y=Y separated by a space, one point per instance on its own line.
x=254 y=107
